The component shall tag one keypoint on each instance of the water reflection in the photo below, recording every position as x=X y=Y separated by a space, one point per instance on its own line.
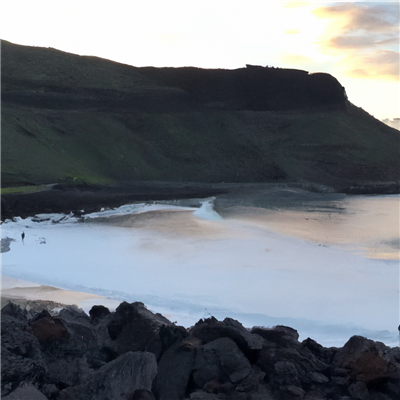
x=367 y=224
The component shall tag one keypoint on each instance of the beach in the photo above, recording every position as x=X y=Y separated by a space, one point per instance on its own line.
x=29 y=295
x=327 y=268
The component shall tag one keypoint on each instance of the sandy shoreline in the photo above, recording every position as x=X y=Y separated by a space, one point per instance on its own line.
x=32 y=295
x=316 y=226
x=247 y=262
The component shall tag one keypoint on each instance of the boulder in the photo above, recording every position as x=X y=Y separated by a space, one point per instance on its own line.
x=134 y=328
x=174 y=369
x=48 y=329
x=292 y=369
x=325 y=354
x=289 y=392
x=26 y=392
x=201 y=395
x=69 y=362
x=88 y=339
x=364 y=360
x=118 y=379
x=98 y=312
x=359 y=390
x=210 y=329
x=170 y=334
x=282 y=336
x=50 y=390
x=141 y=394
x=65 y=370
x=21 y=356
x=18 y=369
x=74 y=356
x=222 y=360
x=14 y=311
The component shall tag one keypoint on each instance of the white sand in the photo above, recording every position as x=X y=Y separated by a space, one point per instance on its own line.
x=263 y=268
x=11 y=283
x=17 y=289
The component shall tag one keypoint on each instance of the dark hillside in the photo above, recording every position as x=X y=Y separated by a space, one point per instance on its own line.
x=253 y=88
x=85 y=119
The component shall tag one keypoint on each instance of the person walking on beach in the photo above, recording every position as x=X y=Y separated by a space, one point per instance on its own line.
x=23 y=236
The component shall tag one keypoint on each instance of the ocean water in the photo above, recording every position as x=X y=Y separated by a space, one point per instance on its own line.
x=324 y=264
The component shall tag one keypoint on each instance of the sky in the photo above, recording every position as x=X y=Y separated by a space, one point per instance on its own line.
x=357 y=42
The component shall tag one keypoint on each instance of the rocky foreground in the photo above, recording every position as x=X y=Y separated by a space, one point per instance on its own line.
x=134 y=354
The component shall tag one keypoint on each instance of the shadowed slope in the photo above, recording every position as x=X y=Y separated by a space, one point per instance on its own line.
x=72 y=118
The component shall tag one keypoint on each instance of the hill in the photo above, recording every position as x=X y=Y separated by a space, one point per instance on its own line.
x=69 y=118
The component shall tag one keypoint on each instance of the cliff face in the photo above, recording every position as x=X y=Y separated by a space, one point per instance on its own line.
x=72 y=118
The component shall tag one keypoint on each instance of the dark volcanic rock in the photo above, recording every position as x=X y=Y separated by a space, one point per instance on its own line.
x=214 y=360
x=141 y=394
x=293 y=369
x=366 y=361
x=26 y=392
x=98 y=312
x=13 y=311
x=322 y=353
x=134 y=328
x=170 y=334
x=174 y=369
x=220 y=360
x=116 y=380
x=210 y=329
x=281 y=336
x=48 y=329
x=21 y=356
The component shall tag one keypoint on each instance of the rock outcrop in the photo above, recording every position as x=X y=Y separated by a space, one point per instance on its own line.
x=133 y=354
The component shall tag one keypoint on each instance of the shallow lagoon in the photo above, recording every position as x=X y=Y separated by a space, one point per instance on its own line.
x=325 y=264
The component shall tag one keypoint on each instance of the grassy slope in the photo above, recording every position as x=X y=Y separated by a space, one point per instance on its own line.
x=74 y=139
x=326 y=147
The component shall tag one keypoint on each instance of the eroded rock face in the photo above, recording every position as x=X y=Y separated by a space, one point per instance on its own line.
x=83 y=358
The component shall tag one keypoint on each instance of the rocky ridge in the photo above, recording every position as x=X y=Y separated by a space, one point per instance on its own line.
x=135 y=354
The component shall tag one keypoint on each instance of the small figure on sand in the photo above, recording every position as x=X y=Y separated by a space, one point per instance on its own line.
x=23 y=236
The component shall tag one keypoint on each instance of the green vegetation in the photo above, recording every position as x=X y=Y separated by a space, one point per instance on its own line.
x=23 y=189
x=81 y=120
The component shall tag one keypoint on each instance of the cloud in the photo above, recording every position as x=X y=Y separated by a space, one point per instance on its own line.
x=296 y=59
x=291 y=31
x=364 y=37
x=373 y=17
x=382 y=64
x=359 y=42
